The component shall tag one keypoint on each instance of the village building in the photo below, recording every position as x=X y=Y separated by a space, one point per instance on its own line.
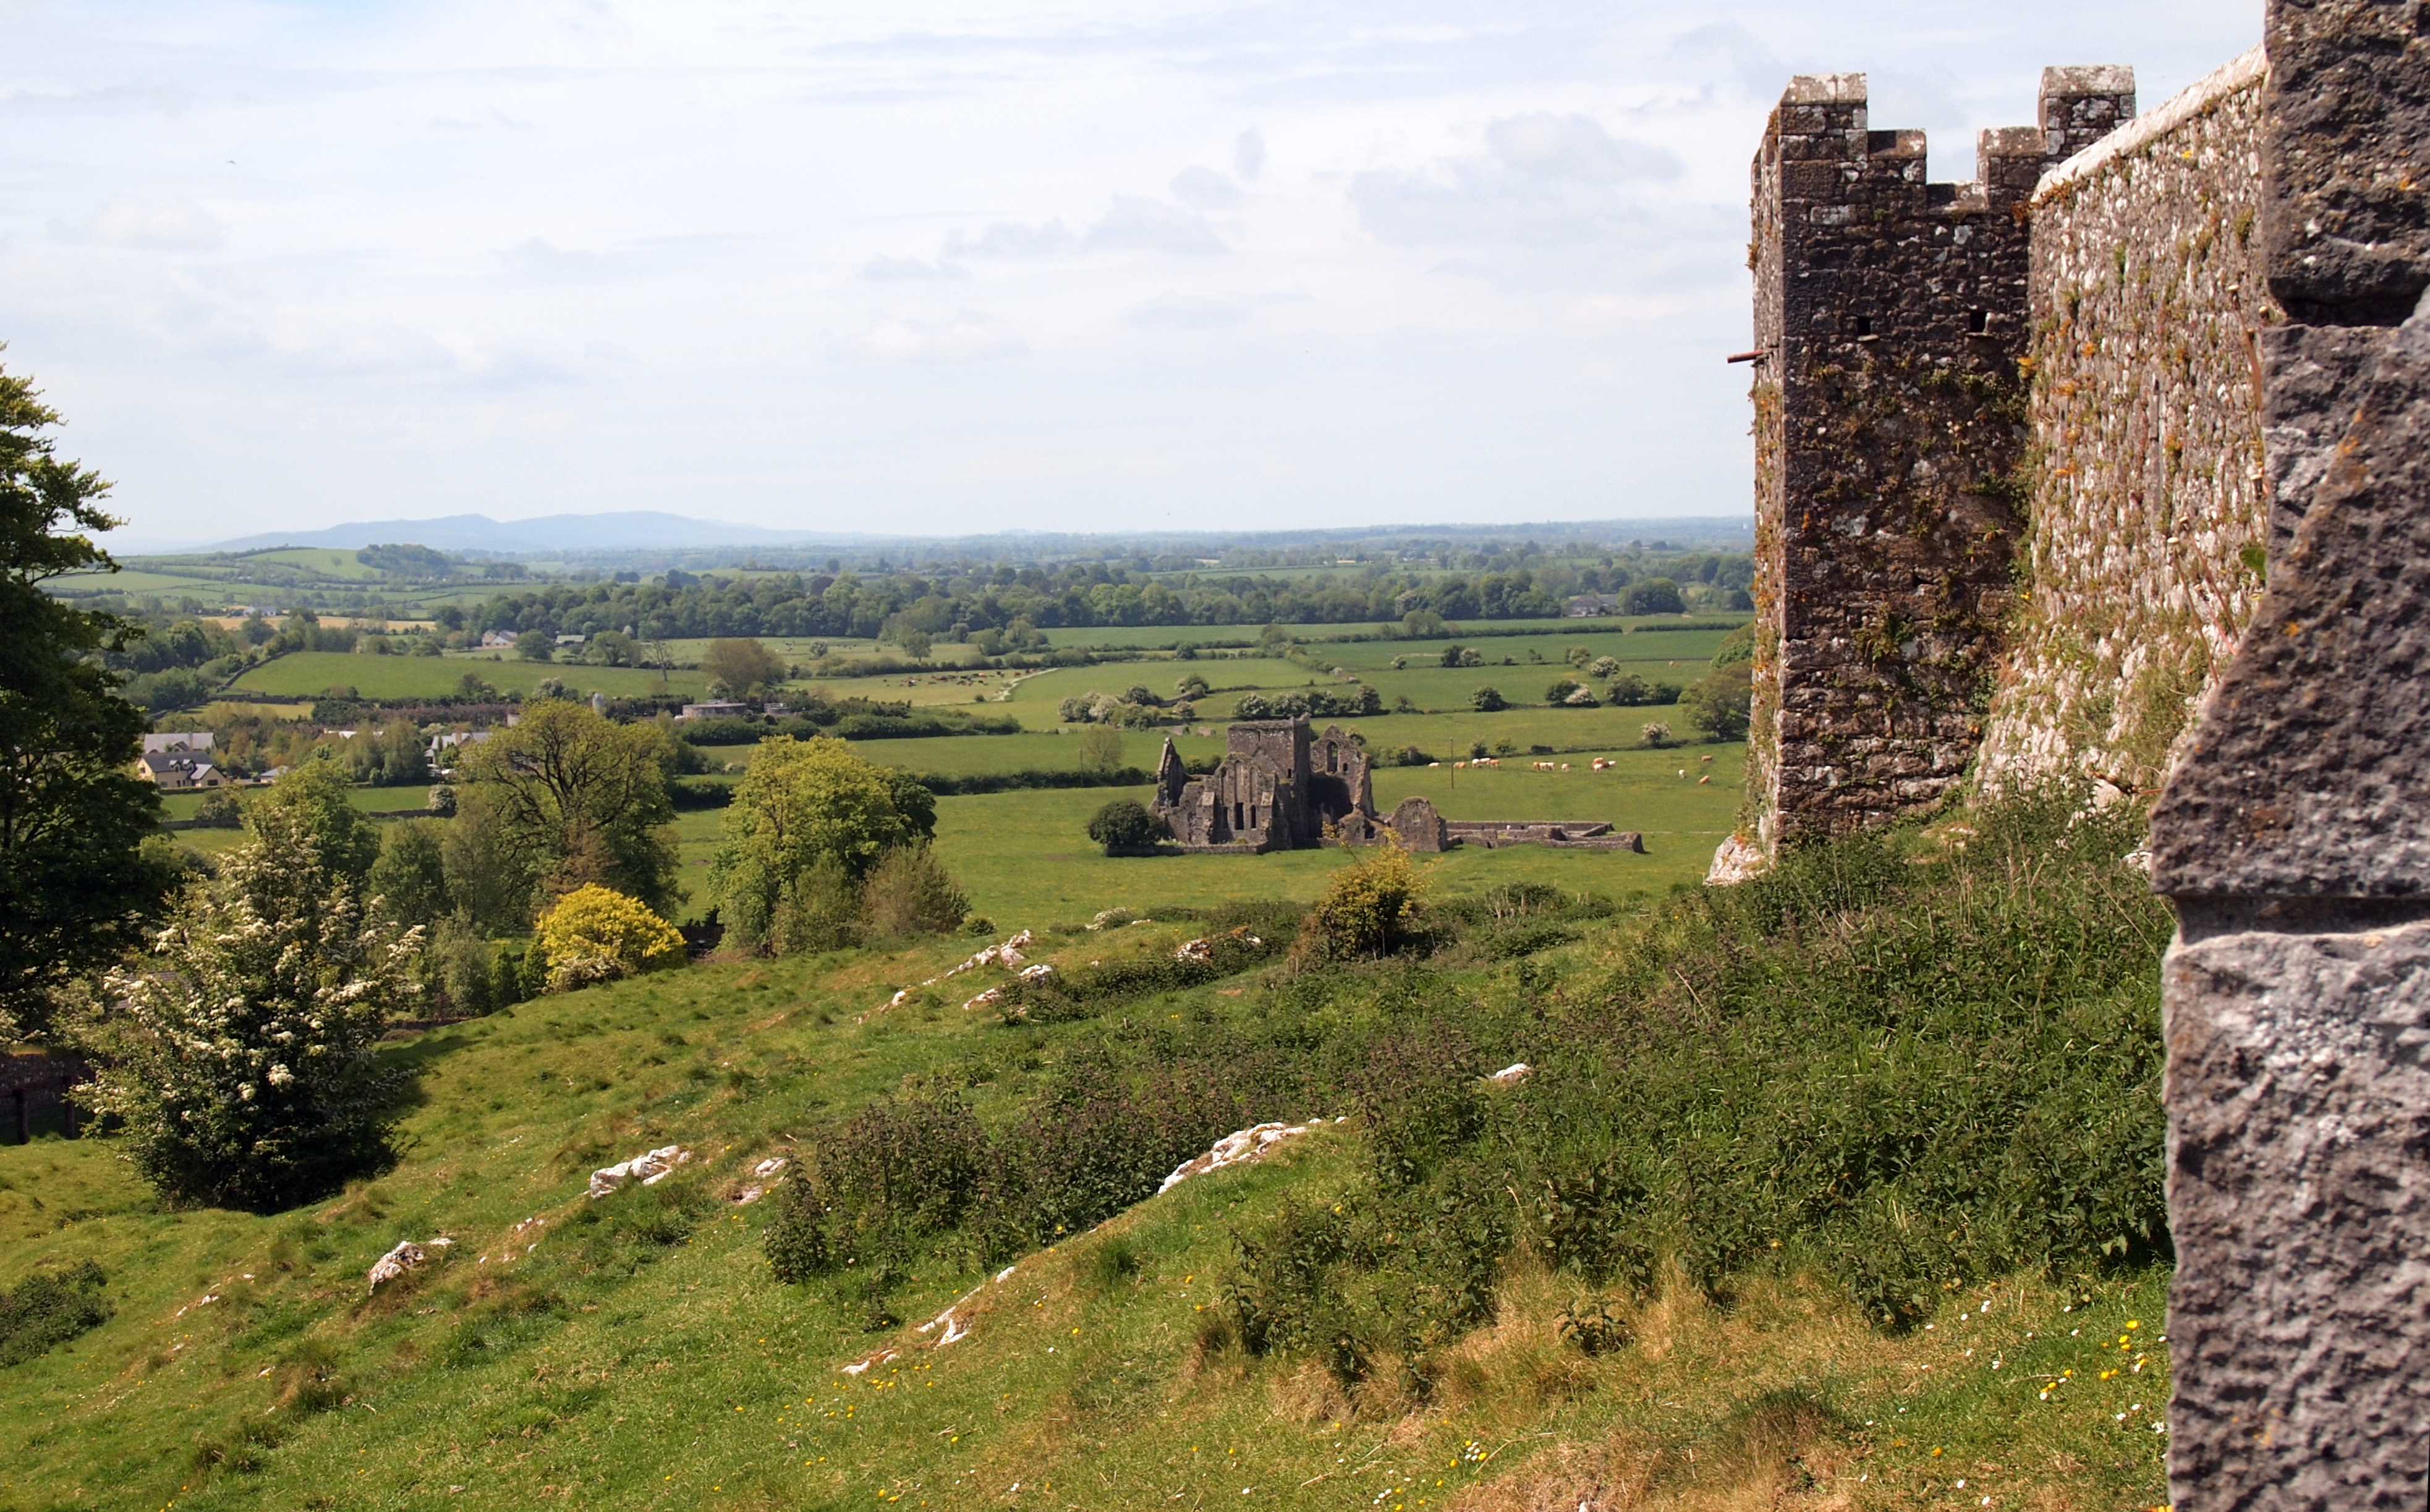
x=179 y=770
x=1587 y=605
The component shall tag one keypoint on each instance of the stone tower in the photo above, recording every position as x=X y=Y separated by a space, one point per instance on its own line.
x=1891 y=315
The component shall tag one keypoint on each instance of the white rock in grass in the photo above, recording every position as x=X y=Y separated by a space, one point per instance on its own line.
x=408 y=1255
x=649 y=1170
x=1236 y=1149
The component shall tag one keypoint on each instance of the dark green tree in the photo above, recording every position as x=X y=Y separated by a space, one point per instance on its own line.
x=75 y=891
x=316 y=791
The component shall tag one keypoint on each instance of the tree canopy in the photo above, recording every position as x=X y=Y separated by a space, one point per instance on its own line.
x=566 y=798
x=803 y=806
x=75 y=889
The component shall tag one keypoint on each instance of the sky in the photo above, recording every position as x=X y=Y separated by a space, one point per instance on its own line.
x=939 y=266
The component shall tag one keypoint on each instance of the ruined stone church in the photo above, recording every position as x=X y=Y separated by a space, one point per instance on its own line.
x=1280 y=787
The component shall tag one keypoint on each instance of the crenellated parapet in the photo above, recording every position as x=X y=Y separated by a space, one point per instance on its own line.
x=1891 y=316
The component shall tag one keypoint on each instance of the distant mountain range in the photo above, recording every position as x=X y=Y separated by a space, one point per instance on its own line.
x=636 y=530
x=630 y=538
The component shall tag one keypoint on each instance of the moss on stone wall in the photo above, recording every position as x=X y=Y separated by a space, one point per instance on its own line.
x=2146 y=486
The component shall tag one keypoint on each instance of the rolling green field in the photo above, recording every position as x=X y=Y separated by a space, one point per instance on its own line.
x=637 y=1353
x=411 y=677
x=1133 y=635
x=1025 y=860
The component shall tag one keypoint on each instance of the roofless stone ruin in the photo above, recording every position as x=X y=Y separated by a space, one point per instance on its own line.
x=1280 y=787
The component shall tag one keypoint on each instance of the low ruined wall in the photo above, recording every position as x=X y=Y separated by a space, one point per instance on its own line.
x=2149 y=502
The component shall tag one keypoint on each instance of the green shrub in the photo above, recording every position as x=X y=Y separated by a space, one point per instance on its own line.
x=909 y=893
x=1126 y=826
x=49 y=1308
x=1368 y=907
x=902 y=1171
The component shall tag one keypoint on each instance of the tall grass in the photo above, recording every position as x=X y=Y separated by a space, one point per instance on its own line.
x=1907 y=1066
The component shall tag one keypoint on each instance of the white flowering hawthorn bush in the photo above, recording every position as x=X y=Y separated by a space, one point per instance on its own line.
x=241 y=1057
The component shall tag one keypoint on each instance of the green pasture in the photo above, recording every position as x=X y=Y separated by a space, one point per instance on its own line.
x=400 y=678
x=370 y=800
x=321 y=562
x=1137 y=637
x=637 y=1354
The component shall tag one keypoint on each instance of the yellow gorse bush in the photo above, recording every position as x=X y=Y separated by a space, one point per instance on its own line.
x=596 y=934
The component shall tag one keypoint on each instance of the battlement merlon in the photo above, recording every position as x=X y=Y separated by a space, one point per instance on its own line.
x=1823 y=149
x=2082 y=105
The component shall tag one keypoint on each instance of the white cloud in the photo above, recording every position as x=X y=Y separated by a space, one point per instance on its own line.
x=1014 y=239
x=1543 y=179
x=963 y=336
x=170 y=226
x=451 y=256
x=1136 y=224
x=1249 y=155
x=1204 y=188
x=1178 y=312
x=883 y=269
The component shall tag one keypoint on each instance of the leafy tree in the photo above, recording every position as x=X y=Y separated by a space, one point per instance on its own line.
x=1560 y=691
x=612 y=648
x=534 y=645
x=1124 y=826
x=219 y=810
x=1451 y=655
x=1488 y=701
x=315 y=792
x=803 y=804
x=567 y=798
x=1739 y=645
x=1656 y=595
x=909 y=893
x=74 y=887
x=595 y=933
x=1719 y=702
x=742 y=668
x=242 y=1058
x=1101 y=748
x=411 y=873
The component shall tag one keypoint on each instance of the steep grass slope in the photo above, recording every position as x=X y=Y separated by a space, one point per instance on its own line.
x=637 y=1350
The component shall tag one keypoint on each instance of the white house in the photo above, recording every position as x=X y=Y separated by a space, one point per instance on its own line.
x=179 y=770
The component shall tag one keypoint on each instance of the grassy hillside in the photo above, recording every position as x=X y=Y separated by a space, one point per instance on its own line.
x=1759 y=1121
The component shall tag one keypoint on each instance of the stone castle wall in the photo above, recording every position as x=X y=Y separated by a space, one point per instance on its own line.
x=2147 y=516
x=1890 y=319
x=2224 y=501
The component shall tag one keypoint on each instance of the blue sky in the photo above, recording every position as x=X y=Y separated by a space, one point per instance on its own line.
x=937 y=267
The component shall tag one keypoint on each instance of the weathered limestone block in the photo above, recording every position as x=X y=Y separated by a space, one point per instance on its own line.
x=2299 y=1110
x=2306 y=777
x=2347 y=224
x=2296 y=840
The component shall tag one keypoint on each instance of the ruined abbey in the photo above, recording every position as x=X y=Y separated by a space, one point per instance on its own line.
x=1280 y=787
x=2110 y=466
